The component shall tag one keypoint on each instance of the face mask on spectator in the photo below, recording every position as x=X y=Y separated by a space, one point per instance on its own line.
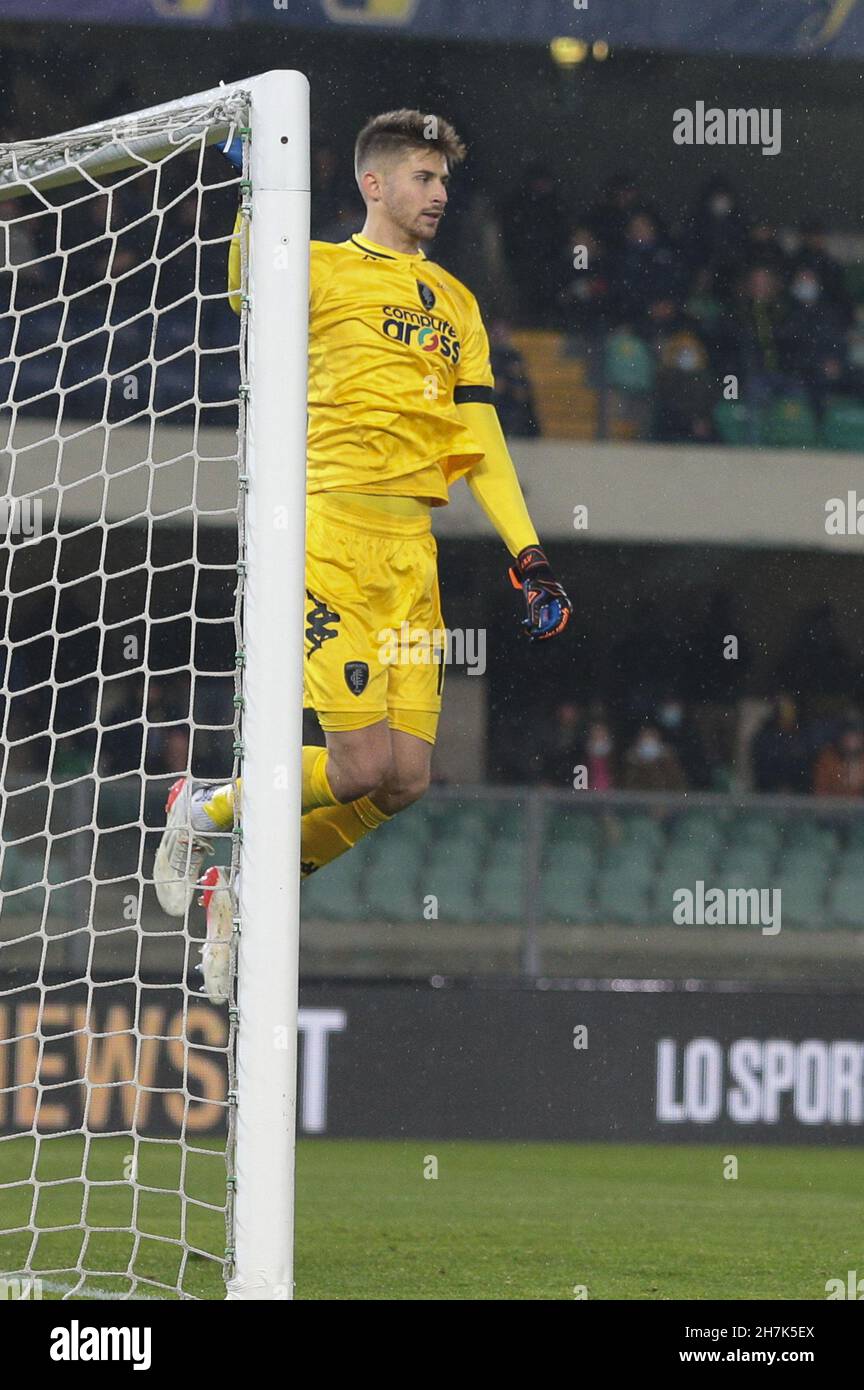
x=649 y=749
x=806 y=291
x=687 y=360
x=670 y=716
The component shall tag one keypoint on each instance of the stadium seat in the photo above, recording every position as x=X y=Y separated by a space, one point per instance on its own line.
x=334 y=893
x=623 y=896
x=763 y=831
x=568 y=896
x=843 y=425
x=698 y=828
x=645 y=831
x=750 y=862
x=791 y=424
x=803 y=901
x=846 y=901
x=502 y=895
x=803 y=833
x=738 y=424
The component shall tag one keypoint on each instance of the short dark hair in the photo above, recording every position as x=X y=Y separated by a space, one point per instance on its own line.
x=394 y=132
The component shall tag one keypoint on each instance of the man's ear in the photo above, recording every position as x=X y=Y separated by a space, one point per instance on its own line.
x=370 y=186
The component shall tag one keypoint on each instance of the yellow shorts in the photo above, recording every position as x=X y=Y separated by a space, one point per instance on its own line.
x=373 y=631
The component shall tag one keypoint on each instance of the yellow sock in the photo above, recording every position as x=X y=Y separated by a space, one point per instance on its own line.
x=316 y=788
x=331 y=830
x=219 y=806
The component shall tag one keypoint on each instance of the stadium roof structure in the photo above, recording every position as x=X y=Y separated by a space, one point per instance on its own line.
x=775 y=28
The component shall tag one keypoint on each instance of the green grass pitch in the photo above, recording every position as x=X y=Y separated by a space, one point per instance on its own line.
x=499 y=1221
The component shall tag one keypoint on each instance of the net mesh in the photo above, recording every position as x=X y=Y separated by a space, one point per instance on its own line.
x=123 y=472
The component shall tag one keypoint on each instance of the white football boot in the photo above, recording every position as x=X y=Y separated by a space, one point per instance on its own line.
x=218 y=902
x=181 y=852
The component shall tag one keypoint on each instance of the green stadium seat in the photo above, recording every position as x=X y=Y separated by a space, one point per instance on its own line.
x=791 y=424
x=334 y=892
x=633 y=861
x=567 y=897
x=846 y=901
x=577 y=860
x=805 y=833
x=803 y=900
x=747 y=861
x=394 y=894
x=738 y=424
x=502 y=895
x=688 y=862
x=623 y=897
x=763 y=831
x=843 y=426
x=644 y=831
x=577 y=828
x=629 y=363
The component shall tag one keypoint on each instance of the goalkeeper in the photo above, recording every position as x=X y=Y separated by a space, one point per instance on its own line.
x=400 y=407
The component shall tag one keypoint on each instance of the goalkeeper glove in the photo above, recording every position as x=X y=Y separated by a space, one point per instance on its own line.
x=548 y=606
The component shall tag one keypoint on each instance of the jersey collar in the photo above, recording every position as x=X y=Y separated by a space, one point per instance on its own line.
x=385 y=253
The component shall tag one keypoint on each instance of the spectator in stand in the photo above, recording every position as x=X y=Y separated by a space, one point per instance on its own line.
x=651 y=765
x=780 y=751
x=534 y=224
x=610 y=216
x=598 y=757
x=645 y=272
x=716 y=237
x=513 y=396
x=585 y=301
x=756 y=339
x=562 y=745
x=762 y=248
x=816 y=666
x=681 y=735
x=839 y=769
x=715 y=657
x=814 y=255
x=813 y=339
x=686 y=387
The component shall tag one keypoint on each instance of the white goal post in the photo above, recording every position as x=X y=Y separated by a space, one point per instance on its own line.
x=84 y=1048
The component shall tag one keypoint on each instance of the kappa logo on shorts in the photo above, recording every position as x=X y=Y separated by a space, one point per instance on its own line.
x=356 y=676
x=427 y=295
x=319 y=617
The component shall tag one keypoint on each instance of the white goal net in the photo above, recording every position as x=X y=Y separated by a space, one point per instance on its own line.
x=124 y=388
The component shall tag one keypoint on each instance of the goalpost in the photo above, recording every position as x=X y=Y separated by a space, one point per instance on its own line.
x=153 y=466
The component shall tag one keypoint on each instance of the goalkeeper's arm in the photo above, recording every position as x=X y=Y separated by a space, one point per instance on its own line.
x=493 y=481
x=495 y=486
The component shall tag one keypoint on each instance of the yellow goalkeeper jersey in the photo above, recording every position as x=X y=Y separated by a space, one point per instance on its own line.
x=395 y=343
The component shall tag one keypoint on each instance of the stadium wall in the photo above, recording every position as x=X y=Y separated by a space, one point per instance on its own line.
x=682 y=494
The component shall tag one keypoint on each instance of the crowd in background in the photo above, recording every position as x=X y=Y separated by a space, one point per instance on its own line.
x=669 y=714
x=663 y=315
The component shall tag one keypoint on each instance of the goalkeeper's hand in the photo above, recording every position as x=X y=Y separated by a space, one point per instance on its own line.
x=548 y=606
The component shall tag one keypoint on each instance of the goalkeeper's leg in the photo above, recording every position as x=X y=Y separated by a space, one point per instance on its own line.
x=326 y=833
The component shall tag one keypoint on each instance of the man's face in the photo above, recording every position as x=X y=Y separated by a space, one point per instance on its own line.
x=413 y=191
